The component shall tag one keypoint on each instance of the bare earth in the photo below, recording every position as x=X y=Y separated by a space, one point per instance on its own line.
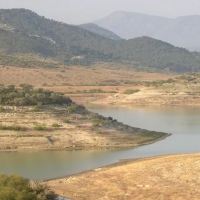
x=113 y=83
x=173 y=177
x=152 y=96
x=73 y=130
x=96 y=75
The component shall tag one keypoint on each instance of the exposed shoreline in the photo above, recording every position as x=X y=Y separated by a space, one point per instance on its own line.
x=86 y=148
x=61 y=130
x=179 y=166
x=119 y=161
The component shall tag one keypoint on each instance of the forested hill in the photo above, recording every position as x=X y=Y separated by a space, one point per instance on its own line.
x=24 y=32
x=73 y=39
x=100 y=31
x=160 y=55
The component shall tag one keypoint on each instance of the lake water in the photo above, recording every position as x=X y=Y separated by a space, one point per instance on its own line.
x=182 y=122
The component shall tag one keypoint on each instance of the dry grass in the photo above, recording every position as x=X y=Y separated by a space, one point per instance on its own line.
x=74 y=79
x=160 y=178
x=71 y=79
x=73 y=76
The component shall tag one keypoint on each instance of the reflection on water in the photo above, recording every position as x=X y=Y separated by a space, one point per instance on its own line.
x=182 y=122
x=52 y=164
x=62 y=198
x=169 y=119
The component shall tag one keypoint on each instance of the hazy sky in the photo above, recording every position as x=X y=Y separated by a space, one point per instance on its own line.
x=83 y=11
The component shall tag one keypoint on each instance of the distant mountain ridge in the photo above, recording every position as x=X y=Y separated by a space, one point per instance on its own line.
x=100 y=31
x=182 y=31
x=23 y=32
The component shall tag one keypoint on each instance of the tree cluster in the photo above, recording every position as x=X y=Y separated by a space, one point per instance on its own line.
x=15 y=187
x=26 y=95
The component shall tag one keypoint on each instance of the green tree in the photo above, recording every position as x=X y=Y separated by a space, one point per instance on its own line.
x=15 y=187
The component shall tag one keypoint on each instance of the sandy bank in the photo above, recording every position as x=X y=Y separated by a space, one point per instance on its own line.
x=165 y=177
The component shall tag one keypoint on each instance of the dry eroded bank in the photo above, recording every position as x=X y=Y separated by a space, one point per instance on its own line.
x=167 y=178
x=59 y=127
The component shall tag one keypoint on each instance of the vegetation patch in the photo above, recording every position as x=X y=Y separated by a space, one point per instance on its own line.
x=149 y=136
x=130 y=91
x=40 y=128
x=72 y=108
x=26 y=95
x=15 y=187
x=55 y=125
x=37 y=107
x=96 y=122
x=101 y=121
x=98 y=132
x=90 y=91
x=2 y=109
x=13 y=128
x=29 y=135
x=66 y=121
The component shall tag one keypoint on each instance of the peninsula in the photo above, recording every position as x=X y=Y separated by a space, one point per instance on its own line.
x=41 y=119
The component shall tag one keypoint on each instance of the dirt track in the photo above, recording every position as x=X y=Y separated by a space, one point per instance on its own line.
x=174 y=177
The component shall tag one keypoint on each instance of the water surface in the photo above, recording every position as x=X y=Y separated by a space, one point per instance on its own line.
x=182 y=122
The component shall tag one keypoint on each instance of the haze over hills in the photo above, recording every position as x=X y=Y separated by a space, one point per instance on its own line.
x=100 y=31
x=182 y=31
x=24 y=32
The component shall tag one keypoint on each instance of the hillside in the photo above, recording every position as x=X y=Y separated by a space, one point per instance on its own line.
x=182 y=31
x=159 y=55
x=27 y=39
x=65 y=38
x=16 y=43
x=100 y=31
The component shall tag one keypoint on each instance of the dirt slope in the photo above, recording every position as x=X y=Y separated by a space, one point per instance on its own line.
x=159 y=178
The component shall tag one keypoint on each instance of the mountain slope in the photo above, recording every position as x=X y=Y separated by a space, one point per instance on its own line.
x=17 y=43
x=100 y=31
x=182 y=31
x=150 y=52
x=131 y=25
x=25 y=32
x=72 y=37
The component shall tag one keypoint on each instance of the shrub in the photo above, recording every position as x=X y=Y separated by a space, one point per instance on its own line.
x=130 y=91
x=72 y=108
x=110 y=118
x=15 y=187
x=12 y=128
x=96 y=122
x=37 y=107
x=55 y=125
x=40 y=128
x=66 y=121
x=2 y=109
x=98 y=132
